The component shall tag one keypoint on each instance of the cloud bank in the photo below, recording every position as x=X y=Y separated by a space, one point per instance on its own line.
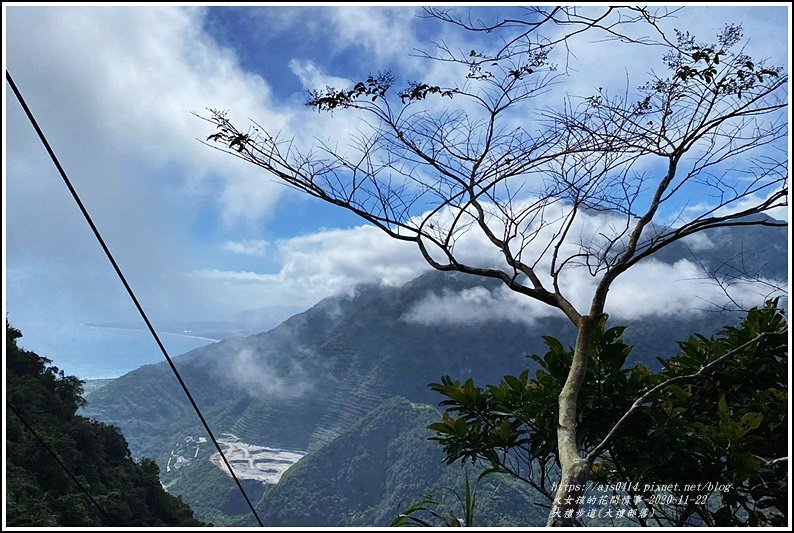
x=200 y=234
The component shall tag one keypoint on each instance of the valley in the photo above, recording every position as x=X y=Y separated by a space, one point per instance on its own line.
x=324 y=417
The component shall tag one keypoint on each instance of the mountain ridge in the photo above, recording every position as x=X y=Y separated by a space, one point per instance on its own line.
x=308 y=380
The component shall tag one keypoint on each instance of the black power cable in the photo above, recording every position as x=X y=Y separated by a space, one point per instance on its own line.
x=61 y=463
x=88 y=219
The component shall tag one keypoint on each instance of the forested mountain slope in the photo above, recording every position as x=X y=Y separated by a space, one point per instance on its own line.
x=319 y=373
x=39 y=492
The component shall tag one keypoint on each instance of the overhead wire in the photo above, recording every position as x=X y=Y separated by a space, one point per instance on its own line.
x=127 y=286
x=63 y=466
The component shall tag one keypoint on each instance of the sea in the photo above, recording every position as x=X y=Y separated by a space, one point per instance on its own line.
x=100 y=352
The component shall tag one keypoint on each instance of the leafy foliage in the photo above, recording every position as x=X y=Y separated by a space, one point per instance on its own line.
x=39 y=492
x=725 y=427
x=362 y=352
x=440 y=512
x=369 y=474
x=331 y=98
x=716 y=65
x=433 y=175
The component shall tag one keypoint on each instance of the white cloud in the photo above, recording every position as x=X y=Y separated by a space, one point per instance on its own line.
x=335 y=258
x=385 y=33
x=318 y=265
x=231 y=275
x=253 y=247
x=249 y=370
x=475 y=306
x=313 y=77
x=698 y=242
x=114 y=88
x=750 y=201
x=330 y=262
x=687 y=291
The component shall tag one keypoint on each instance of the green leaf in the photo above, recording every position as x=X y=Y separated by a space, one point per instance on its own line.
x=492 y=470
x=751 y=420
x=722 y=408
x=514 y=383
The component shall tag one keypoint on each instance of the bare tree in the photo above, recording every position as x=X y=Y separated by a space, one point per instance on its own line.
x=439 y=166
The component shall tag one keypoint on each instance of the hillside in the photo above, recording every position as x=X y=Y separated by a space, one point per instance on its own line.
x=374 y=470
x=322 y=369
x=92 y=385
x=39 y=492
x=318 y=374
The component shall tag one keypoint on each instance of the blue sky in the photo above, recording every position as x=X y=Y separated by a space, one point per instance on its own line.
x=200 y=235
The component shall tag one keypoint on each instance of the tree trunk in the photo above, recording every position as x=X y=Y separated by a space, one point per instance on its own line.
x=575 y=470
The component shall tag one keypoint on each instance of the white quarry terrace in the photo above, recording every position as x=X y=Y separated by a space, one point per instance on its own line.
x=251 y=461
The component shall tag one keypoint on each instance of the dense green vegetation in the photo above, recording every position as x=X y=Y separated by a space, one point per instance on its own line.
x=371 y=472
x=713 y=416
x=317 y=375
x=212 y=493
x=39 y=492
x=337 y=362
